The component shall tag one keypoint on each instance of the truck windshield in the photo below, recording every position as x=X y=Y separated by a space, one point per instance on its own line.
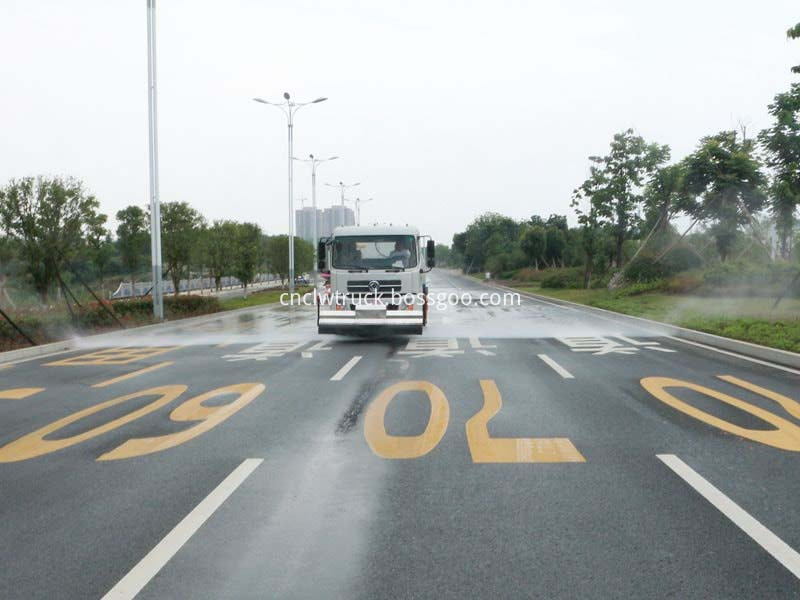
x=375 y=252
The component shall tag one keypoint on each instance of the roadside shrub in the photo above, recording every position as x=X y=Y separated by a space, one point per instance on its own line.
x=189 y=306
x=644 y=269
x=727 y=273
x=571 y=277
x=644 y=287
x=684 y=283
x=141 y=309
x=680 y=259
x=527 y=274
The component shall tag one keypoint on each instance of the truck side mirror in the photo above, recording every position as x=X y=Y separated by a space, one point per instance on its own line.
x=430 y=254
x=321 y=256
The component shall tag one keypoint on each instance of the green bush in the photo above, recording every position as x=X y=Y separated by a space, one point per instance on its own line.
x=571 y=277
x=749 y=279
x=643 y=270
x=680 y=259
x=644 y=287
x=684 y=283
x=139 y=309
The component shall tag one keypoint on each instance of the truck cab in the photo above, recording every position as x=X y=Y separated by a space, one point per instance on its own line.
x=376 y=280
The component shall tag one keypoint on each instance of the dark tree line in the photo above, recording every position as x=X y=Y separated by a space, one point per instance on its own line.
x=627 y=204
x=52 y=226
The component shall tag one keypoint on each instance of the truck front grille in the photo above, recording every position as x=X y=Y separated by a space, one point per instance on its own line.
x=385 y=286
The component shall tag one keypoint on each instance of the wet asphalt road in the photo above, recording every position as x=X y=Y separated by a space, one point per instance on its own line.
x=508 y=452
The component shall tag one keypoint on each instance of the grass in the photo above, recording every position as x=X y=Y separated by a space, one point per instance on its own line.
x=257 y=298
x=747 y=319
x=54 y=323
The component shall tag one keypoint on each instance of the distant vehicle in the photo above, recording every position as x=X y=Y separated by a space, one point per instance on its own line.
x=377 y=280
x=301 y=280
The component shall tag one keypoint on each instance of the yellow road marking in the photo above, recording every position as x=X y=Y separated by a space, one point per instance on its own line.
x=191 y=410
x=19 y=393
x=789 y=405
x=5 y=366
x=485 y=449
x=109 y=382
x=786 y=436
x=401 y=446
x=34 y=444
x=114 y=356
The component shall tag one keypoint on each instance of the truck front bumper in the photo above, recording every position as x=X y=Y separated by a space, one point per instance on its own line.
x=402 y=319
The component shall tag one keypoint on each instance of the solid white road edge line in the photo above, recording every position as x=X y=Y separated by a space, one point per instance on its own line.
x=770 y=542
x=147 y=568
x=555 y=366
x=621 y=319
x=346 y=369
x=766 y=363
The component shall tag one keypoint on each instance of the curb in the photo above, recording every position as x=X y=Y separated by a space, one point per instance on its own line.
x=747 y=349
x=33 y=352
x=23 y=354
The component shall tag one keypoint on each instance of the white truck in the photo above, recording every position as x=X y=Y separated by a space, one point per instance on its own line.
x=376 y=280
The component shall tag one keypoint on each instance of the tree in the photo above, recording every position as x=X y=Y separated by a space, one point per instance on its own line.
x=459 y=249
x=624 y=170
x=725 y=179
x=781 y=143
x=246 y=252
x=277 y=255
x=532 y=242
x=443 y=255
x=49 y=220
x=303 y=255
x=793 y=34
x=132 y=239
x=664 y=196
x=488 y=235
x=586 y=199
x=179 y=227
x=101 y=249
x=218 y=250
x=555 y=242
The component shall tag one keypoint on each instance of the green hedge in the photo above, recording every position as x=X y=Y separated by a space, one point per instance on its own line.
x=93 y=318
x=571 y=277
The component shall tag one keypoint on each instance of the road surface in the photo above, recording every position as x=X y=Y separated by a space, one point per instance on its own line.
x=534 y=451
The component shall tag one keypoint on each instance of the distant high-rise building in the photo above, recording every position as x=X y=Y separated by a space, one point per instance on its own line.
x=327 y=221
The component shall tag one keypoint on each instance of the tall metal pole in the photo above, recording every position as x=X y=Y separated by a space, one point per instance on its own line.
x=155 y=207
x=289 y=110
x=291 y=203
x=315 y=240
x=314 y=161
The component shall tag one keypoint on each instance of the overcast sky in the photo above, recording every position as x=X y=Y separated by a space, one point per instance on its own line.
x=442 y=110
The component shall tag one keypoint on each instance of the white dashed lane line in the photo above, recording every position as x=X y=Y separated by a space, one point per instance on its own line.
x=346 y=368
x=780 y=550
x=147 y=568
x=555 y=366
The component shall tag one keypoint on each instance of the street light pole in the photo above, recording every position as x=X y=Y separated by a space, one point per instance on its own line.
x=342 y=186
x=314 y=162
x=289 y=108
x=359 y=202
x=155 y=206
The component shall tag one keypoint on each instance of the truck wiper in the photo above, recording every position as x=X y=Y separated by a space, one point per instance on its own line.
x=394 y=269
x=355 y=269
